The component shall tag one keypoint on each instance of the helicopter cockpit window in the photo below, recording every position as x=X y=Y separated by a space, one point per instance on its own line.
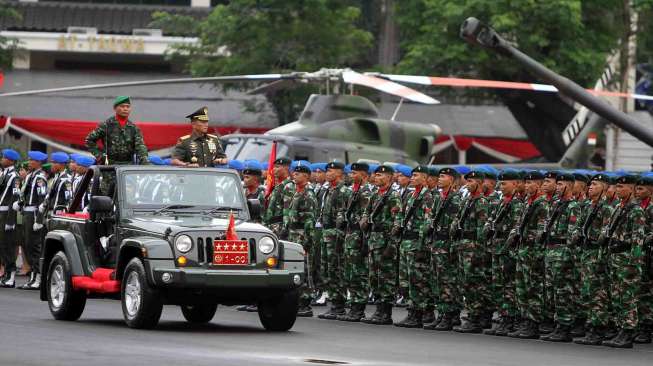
x=259 y=149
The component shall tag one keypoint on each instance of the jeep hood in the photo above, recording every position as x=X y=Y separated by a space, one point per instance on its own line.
x=159 y=224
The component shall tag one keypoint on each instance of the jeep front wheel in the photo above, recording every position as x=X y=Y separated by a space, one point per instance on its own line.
x=141 y=304
x=278 y=314
x=65 y=303
x=199 y=314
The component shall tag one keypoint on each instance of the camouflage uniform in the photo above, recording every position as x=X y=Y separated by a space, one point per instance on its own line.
x=299 y=221
x=332 y=222
x=320 y=191
x=646 y=295
x=274 y=213
x=402 y=258
x=124 y=144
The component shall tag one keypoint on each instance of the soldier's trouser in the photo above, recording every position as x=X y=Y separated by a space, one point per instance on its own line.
x=356 y=268
x=403 y=270
x=7 y=245
x=305 y=291
x=577 y=283
x=559 y=269
x=419 y=281
x=474 y=281
x=334 y=257
x=503 y=283
x=383 y=271
x=33 y=241
x=445 y=273
x=594 y=287
x=645 y=308
x=316 y=262
x=625 y=282
x=529 y=282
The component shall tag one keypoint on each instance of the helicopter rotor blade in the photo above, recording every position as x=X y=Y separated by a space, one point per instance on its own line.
x=273 y=86
x=389 y=87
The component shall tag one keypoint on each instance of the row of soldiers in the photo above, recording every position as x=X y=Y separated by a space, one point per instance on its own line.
x=556 y=255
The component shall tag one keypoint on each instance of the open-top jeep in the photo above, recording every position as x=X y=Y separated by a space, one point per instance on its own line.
x=156 y=235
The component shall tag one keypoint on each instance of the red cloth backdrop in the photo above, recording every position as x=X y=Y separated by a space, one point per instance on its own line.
x=522 y=149
x=156 y=135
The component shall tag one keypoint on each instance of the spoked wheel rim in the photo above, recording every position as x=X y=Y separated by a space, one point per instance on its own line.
x=57 y=286
x=133 y=296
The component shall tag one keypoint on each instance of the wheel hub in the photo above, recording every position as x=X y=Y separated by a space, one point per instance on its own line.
x=132 y=295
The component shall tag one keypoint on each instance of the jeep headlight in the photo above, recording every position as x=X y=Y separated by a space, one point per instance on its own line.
x=184 y=243
x=266 y=245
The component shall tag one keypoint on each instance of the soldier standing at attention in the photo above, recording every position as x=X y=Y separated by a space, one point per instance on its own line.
x=199 y=149
x=643 y=193
x=593 y=273
x=625 y=235
x=9 y=193
x=60 y=189
x=252 y=182
x=378 y=218
x=274 y=213
x=470 y=242
x=36 y=187
x=122 y=139
x=300 y=224
x=410 y=227
x=402 y=178
x=563 y=223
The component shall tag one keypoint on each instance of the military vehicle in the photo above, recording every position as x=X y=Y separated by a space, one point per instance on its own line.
x=154 y=236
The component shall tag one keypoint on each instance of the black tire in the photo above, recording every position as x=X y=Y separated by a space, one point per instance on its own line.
x=279 y=314
x=64 y=302
x=141 y=304
x=199 y=314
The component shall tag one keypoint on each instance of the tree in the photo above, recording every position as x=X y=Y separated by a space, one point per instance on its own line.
x=8 y=46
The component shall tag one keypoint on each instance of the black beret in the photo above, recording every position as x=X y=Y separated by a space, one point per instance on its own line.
x=645 y=180
x=433 y=171
x=360 y=167
x=533 y=175
x=581 y=177
x=449 y=171
x=283 y=161
x=627 y=179
x=384 y=169
x=551 y=175
x=421 y=169
x=565 y=177
x=602 y=178
x=303 y=168
x=250 y=171
x=510 y=174
x=475 y=174
x=335 y=165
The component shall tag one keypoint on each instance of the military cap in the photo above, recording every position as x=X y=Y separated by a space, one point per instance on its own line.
x=84 y=160
x=533 y=175
x=404 y=169
x=581 y=175
x=627 y=179
x=236 y=164
x=155 y=159
x=347 y=168
x=121 y=99
x=449 y=171
x=462 y=170
x=373 y=168
x=302 y=167
x=475 y=174
x=201 y=114
x=252 y=168
x=565 y=177
x=10 y=154
x=384 y=169
x=433 y=171
x=490 y=172
x=265 y=165
x=360 y=167
x=553 y=174
x=59 y=157
x=420 y=169
x=510 y=174
x=645 y=179
x=601 y=177
x=318 y=167
x=37 y=155
x=335 y=165
x=283 y=161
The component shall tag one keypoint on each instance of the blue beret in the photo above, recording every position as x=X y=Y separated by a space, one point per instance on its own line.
x=404 y=169
x=85 y=161
x=155 y=160
x=167 y=161
x=265 y=165
x=236 y=164
x=347 y=168
x=489 y=171
x=373 y=168
x=37 y=155
x=59 y=157
x=462 y=170
x=319 y=166
x=252 y=165
x=11 y=154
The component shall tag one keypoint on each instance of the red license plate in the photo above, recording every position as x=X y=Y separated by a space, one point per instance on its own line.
x=230 y=252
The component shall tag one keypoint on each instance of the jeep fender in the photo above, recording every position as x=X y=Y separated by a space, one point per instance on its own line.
x=55 y=241
x=146 y=248
x=292 y=255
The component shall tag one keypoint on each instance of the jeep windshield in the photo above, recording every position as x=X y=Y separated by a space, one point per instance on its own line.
x=163 y=191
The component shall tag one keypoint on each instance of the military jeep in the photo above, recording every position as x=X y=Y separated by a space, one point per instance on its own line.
x=153 y=236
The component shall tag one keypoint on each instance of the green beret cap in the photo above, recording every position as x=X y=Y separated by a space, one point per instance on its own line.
x=121 y=99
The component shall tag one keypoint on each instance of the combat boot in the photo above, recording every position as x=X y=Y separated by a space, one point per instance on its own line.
x=385 y=318
x=356 y=313
x=305 y=308
x=560 y=334
x=644 y=334
x=531 y=331
x=337 y=308
x=10 y=282
x=37 y=282
x=579 y=329
x=593 y=337
x=428 y=317
x=525 y=323
x=485 y=320
x=623 y=340
x=546 y=327
x=456 y=318
x=433 y=324
x=377 y=314
x=412 y=320
x=505 y=327
x=470 y=325
x=29 y=282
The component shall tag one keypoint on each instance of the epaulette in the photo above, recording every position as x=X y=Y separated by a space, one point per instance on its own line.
x=214 y=136
x=184 y=137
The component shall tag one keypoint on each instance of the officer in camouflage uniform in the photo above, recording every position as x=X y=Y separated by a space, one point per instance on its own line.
x=444 y=259
x=529 y=274
x=468 y=233
x=299 y=219
x=563 y=223
x=403 y=174
x=498 y=229
x=411 y=226
x=122 y=139
x=274 y=213
x=625 y=237
x=10 y=184
x=332 y=221
x=378 y=219
x=593 y=275
x=320 y=187
x=643 y=192
x=199 y=149
x=356 y=250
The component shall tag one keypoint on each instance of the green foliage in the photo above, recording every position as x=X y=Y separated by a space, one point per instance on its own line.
x=174 y=24
x=7 y=46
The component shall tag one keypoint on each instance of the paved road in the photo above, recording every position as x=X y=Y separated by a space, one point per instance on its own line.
x=30 y=336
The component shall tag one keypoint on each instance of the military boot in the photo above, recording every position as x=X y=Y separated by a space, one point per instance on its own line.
x=337 y=308
x=579 y=329
x=456 y=318
x=36 y=284
x=385 y=318
x=505 y=327
x=428 y=317
x=377 y=314
x=644 y=334
x=623 y=340
x=519 y=328
x=10 y=282
x=356 y=313
x=485 y=320
x=546 y=327
x=470 y=325
x=305 y=308
x=412 y=320
x=559 y=334
x=531 y=331
x=433 y=324
x=402 y=298
x=27 y=285
x=593 y=337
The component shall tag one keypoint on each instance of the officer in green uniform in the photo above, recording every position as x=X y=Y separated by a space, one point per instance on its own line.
x=282 y=191
x=122 y=139
x=199 y=149
x=643 y=193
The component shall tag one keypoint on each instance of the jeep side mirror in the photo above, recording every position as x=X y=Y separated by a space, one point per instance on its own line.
x=100 y=204
x=254 y=207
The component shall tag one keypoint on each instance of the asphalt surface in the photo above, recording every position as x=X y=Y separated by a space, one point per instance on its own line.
x=30 y=336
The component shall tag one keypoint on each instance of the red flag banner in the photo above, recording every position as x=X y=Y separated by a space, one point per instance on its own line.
x=231 y=228
x=269 y=182
x=2 y=79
